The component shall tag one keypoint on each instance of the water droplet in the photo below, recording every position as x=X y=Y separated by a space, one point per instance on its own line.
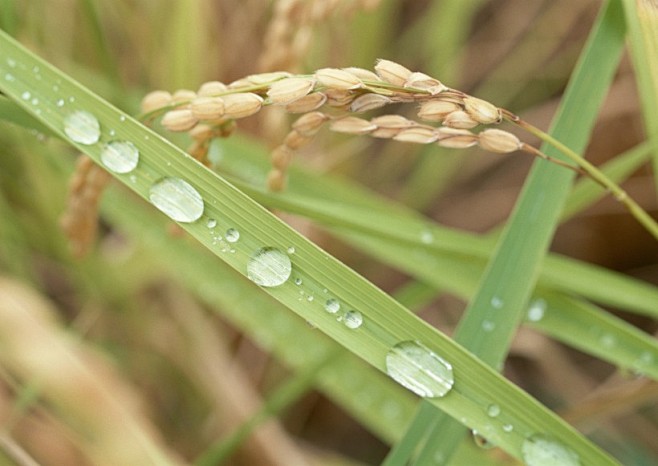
x=608 y=340
x=26 y=95
x=71 y=99
x=541 y=450
x=9 y=77
x=60 y=102
x=536 y=310
x=332 y=306
x=291 y=250
x=298 y=281
x=493 y=410
x=310 y=298
x=426 y=237
x=120 y=156
x=122 y=118
x=488 y=325
x=11 y=62
x=133 y=179
x=269 y=267
x=177 y=199
x=35 y=69
x=481 y=441
x=496 y=302
x=353 y=319
x=112 y=133
x=417 y=368
x=212 y=223
x=34 y=101
x=232 y=235
x=55 y=88
x=82 y=127
x=508 y=428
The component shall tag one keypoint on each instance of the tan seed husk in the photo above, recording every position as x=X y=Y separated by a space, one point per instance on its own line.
x=364 y=75
x=417 y=135
x=334 y=78
x=212 y=88
x=455 y=138
x=367 y=102
x=289 y=90
x=422 y=81
x=276 y=180
x=242 y=104
x=436 y=110
x=392 y=72
x=263 y=78
x=392 y=121
x=202 y=132
x=296 y=141
x=183 y=96
x=339 y=97
x=497 y=140
x=243 y=82
x=459 y=119
x=179 y=120
x=155 y=100
x=352 y=125
x=207 y=108
x=308 y=103
x=482 y=111
x=281 y=157
x=309 y=124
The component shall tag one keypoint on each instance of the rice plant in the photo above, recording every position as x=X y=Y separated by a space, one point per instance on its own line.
x=328 y=232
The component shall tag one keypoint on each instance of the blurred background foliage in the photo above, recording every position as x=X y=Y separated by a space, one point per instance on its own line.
x=196 y=374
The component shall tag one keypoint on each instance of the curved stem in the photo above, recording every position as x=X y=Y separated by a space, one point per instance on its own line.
x=594 y=173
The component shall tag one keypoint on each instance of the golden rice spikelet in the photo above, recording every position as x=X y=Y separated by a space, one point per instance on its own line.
x=497 y=140
x=367 y=102
x=308 y=103
x=459 y=119
x=456 y=138
x=289 y=90
x=436 y=110
x=339 y=97
x=207 y=108
x=417 y=135
x=276 y=180
x=389 y=125
x=295 y=140
x=242 y=104
x=362 y=74
x=264 y=78
x=309 y=124
x=482 y=111
x=179 y=120
x=281 y=157
x=334 y=78
x=352 y=125
x=211 y=88
x=155 y=100
x=202 y=132
x=392 y=72
x=427 y=83
x=183 y=96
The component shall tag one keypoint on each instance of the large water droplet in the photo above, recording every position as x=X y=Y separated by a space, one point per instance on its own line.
x=120 y=156
x=232 y=235
x=541 y=450
x=353 y=319
x=82 y=127
x=493 y=410
x=332 y=306
x=177 y=199
x=417 y=368
x=269 y=267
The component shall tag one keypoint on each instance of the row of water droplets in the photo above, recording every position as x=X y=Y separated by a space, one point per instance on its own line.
x=409 y=363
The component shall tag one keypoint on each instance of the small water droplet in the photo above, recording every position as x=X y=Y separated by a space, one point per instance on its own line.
x=332 y=306
x=133 y=179
x=310 y=298
x=419 y=369
x=493 y=410
x=55 y=88
x=269 y=267
x=536 y=310
x=496 y=302
x=232 y=235
x=26 y=95
x=608 y=340
x=82 y=127
x=481 y=441
x=211 y=223
x=508 y=428
x=60 y=102
x=177 y=199
x=9 y=77
x=298 y=281
x=488 y=326
x=122 y=118
x=35 y=69
x=34 y=101
x=541 y=450
x=11 y=62
x=353 y=319
x=120 y=156
x=426 y=237
x=112 y=133
x=291 y=250
x=71 y=99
